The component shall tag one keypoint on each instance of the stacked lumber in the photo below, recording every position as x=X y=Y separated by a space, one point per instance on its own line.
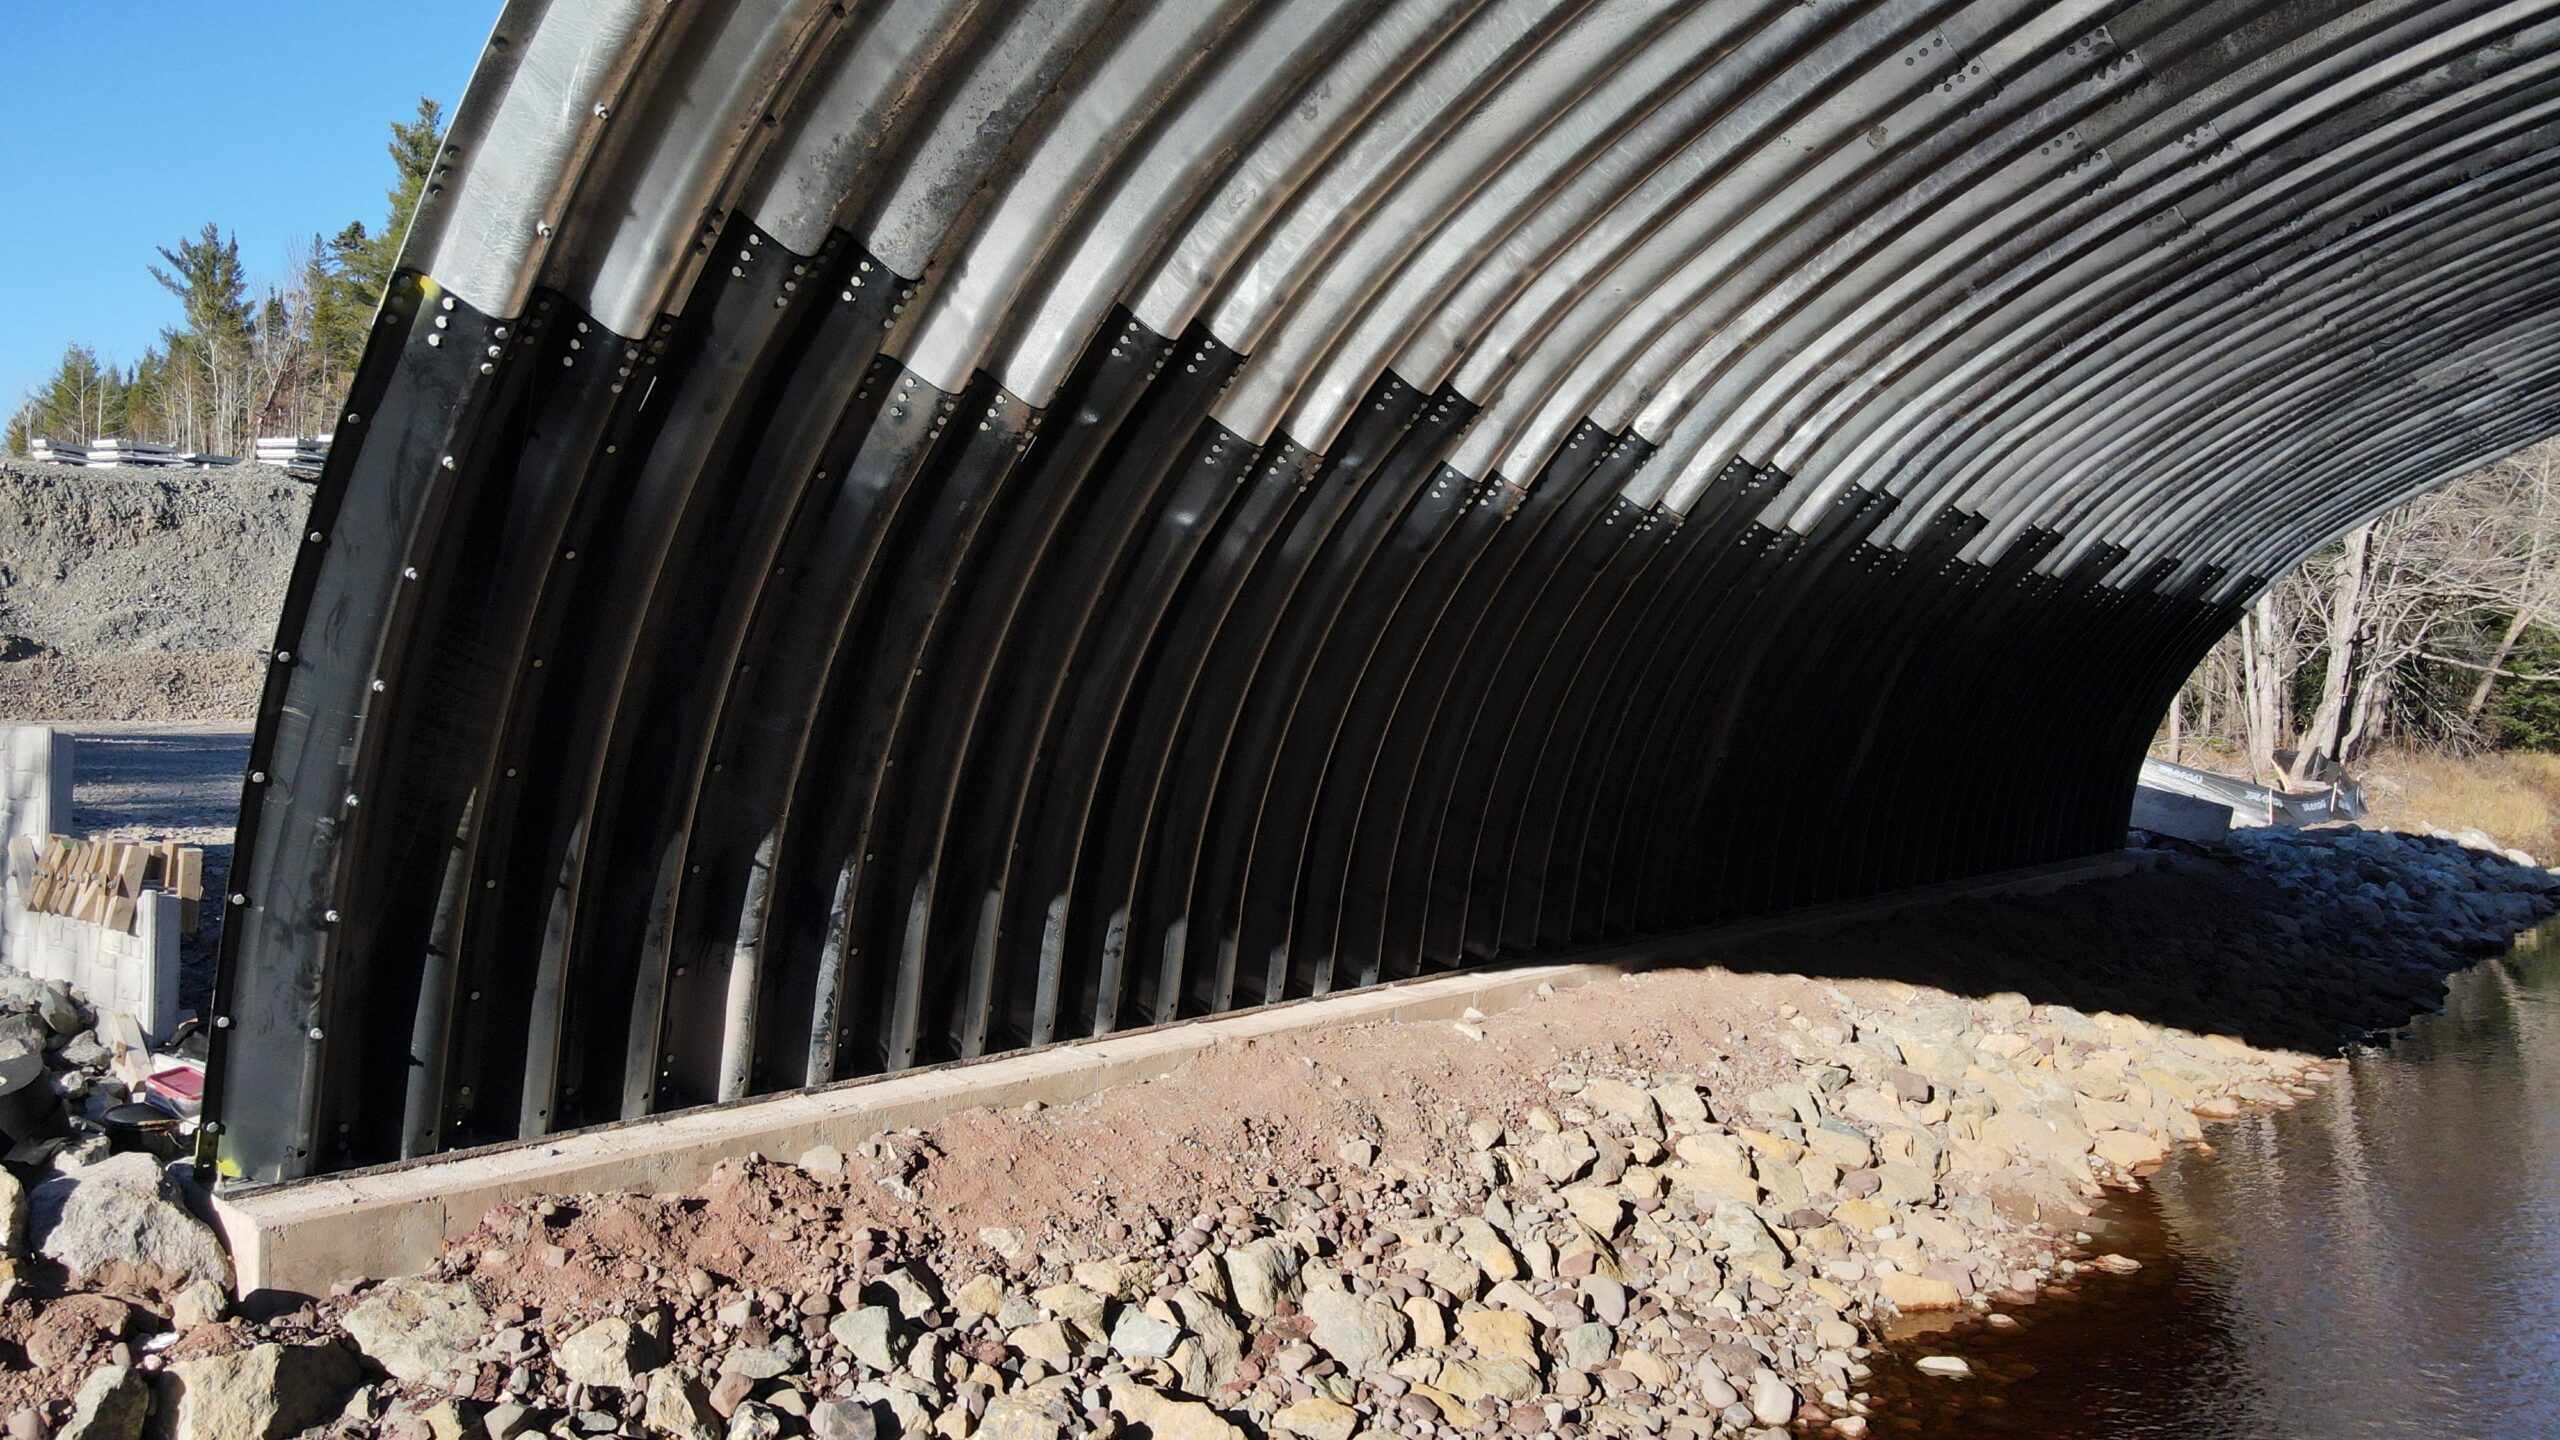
x=102 y=881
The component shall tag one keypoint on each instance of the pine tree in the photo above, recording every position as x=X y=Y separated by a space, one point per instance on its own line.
x=349 y=287
x=341 y=306
x=370 y=256
x=213 y=354
x=206 y=277
x=78 y=404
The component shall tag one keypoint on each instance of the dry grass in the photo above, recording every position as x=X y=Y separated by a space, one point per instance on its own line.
x=2512 y=795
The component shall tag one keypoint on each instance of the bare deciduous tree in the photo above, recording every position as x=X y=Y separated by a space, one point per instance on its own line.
x=2404 y=629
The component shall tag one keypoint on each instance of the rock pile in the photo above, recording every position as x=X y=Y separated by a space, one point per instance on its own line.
x=1673 y=1207
x=1633 y=1254
x=101 y=1216
x=142 y=594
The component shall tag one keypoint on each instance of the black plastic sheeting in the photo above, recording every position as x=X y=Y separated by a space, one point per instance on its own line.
x=663 y=718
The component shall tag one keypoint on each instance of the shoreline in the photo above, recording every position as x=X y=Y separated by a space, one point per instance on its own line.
x=1681 y=1203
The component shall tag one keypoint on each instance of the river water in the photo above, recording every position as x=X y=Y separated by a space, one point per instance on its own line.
x=2381 y=1261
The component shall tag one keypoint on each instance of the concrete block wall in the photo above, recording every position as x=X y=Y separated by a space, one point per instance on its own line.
x=136 y=973
x=35 y=801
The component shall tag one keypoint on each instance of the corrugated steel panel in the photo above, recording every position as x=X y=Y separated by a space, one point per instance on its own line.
x=876 y=534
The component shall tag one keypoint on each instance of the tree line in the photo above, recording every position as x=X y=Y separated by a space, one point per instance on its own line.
x=241 y=364
x=2435 y=626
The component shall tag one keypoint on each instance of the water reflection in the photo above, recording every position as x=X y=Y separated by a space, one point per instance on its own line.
x=2383 y=1261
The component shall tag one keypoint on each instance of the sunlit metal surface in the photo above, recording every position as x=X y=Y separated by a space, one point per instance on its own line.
x=878 y=533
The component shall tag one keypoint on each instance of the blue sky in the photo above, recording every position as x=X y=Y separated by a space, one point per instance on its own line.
x=127 y=124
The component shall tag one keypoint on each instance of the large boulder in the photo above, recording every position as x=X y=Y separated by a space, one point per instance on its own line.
x=13 y=1216
x=1037 y=1412
x=265 y=1392
x=417 y=1329
x=1363 y=1335
x=121 y=1222
x=1263 y=1273
x=612 y=1352
x=112 y=1404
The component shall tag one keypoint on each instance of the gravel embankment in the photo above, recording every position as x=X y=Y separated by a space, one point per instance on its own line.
x=141 y=594
x=1676 y=1204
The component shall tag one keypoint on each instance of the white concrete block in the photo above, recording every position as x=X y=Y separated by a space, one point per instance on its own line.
x=137 y=973
x=35 y=801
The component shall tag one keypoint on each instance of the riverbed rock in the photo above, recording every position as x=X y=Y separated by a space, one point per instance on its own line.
x=1622 y=1101
x=1773 y=1401
x=1919 y=1292
x=1040 y=1412
x=1586 y=1346
x=1362 y=1334
x=843 y=1420
x=1262 y=1274
x=1485 y=1246
x=1505 y=1334
x=675 y=1407
x=13 y=1217
x=1167 y=1417
x=2128 y=1150
x=866 y=1332
x=1318 y=1419
x=1487 y=1377
x=1591 y=1253
x=1140 y=1336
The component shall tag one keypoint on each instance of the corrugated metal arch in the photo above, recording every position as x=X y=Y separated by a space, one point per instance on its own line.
x=870 y=534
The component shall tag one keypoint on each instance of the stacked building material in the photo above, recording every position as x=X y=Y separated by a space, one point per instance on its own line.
x=103 y=453
x=56 y=453
x=301 y=455
x=101 y=881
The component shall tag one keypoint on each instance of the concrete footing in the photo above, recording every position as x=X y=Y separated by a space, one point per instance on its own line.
x=308 y=1235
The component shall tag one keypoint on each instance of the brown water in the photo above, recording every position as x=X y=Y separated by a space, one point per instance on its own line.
x=2382 y=1261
